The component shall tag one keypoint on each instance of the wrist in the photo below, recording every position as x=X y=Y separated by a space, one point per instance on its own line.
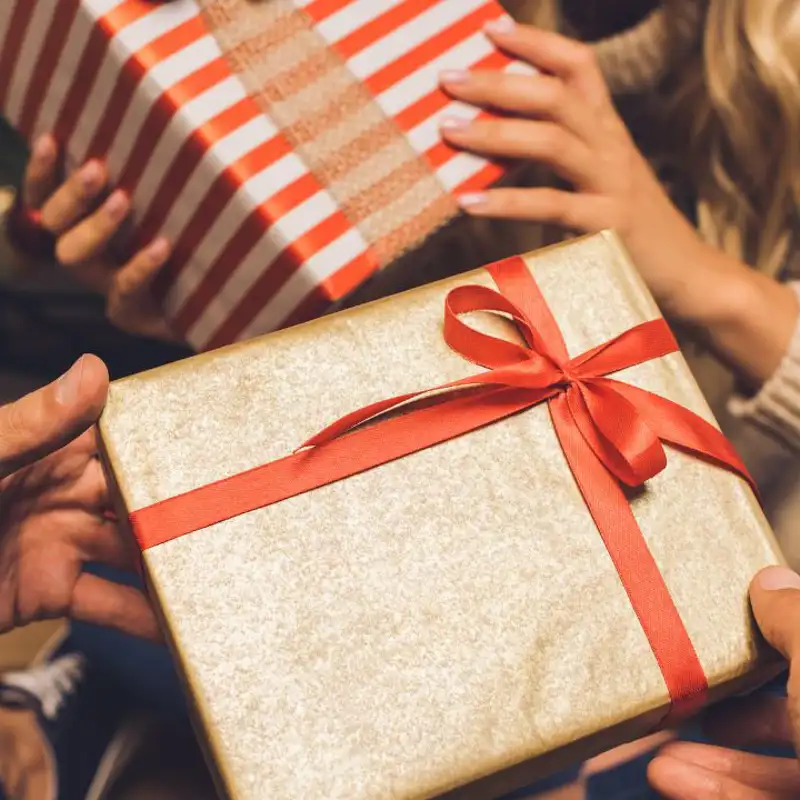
x=709 y=289
x=749 y=317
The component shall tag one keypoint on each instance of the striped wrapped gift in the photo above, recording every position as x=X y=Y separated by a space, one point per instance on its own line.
x=288 y=148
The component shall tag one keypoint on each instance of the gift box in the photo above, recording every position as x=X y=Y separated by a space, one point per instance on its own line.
x=289 y=149
x=389 y=572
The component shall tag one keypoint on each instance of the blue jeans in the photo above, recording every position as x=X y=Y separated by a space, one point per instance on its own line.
x=146 y=673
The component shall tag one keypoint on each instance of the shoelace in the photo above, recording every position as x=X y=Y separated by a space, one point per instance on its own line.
x=50 y=683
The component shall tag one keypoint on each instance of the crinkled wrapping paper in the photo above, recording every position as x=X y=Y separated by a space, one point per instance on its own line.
x=289 y=149
x=444 y=617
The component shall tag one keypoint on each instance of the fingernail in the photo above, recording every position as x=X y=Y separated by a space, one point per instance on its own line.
x=454 y=124
x=117 y=205
x=158 y=250
x=454 y=76
x=68 y=386
x=43 y=149
x=775 y=578
x=472 y=201
x=91 y=177
x=500 y=26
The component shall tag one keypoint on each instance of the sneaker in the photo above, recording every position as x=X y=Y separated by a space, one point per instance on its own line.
x=81 y=724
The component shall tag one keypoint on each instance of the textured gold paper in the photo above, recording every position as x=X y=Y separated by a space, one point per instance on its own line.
x=442 y=618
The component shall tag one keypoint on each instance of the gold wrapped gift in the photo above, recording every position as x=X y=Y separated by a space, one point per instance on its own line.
x=450 y=621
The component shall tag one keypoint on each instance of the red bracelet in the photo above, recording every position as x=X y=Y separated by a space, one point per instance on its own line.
x=26 y=233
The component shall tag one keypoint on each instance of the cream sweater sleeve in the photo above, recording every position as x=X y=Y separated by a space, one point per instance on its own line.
x=776 y=407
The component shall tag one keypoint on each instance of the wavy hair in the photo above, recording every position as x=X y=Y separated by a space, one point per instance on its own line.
x=733 y=104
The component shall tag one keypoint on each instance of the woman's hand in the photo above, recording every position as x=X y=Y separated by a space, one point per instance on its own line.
x=54 y=511
x=564 y=117
x=685 y=771
x=84 y=227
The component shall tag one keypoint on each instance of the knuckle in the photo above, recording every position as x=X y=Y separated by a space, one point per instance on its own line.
x=583 y=58
x=551 y=95
x=13 y=427
x=492 y=131
x=521 y=204
x=557 y=206
x=551 y=141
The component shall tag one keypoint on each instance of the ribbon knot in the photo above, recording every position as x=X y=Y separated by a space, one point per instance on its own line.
x=607 y=413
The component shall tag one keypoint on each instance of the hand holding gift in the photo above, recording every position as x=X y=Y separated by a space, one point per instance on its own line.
x=53 y=501
x=82 y=225
x=685 y=771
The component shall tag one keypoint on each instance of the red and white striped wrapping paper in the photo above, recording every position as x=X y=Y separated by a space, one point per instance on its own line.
x=259 y=241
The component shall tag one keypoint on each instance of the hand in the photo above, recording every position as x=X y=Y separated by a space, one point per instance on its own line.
x=54 y=511
x=83 y=232
x=564 y=117
x=684 y=771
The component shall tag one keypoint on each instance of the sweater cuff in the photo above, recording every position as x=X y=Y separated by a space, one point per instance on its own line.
x=776 y=407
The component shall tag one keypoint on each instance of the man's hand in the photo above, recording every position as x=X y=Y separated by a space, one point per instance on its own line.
x=54 y=514
x=684 y=771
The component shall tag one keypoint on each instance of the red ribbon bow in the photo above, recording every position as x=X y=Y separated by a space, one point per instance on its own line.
x=611 y=434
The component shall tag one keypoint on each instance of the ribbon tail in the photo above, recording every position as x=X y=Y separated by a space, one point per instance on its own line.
x=640 y=576
x=356 y=419
x=617 y=433
x=684 y=429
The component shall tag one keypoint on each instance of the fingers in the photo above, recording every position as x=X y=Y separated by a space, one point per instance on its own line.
x=566 y=58
x=85 y=243
x=756 y=721
x=675 y=779
x=544 y=142
x=105 y=543
x=124 y=608
x=569 y=210
x=74 y=197
x=41 y=173
x=49 y=418
x=130 y=304
x=133 y=281
x=766 y=773
x=540 y=96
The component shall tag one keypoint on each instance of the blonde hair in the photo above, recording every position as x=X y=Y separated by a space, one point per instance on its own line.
x=734 y=107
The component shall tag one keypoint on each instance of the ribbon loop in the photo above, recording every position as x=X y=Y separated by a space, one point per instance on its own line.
x=645 y=342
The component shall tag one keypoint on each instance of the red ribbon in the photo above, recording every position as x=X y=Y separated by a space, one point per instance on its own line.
x=611 y=434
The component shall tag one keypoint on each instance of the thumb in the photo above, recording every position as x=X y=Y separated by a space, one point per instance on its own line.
x=775 y=597
x=49 y=418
